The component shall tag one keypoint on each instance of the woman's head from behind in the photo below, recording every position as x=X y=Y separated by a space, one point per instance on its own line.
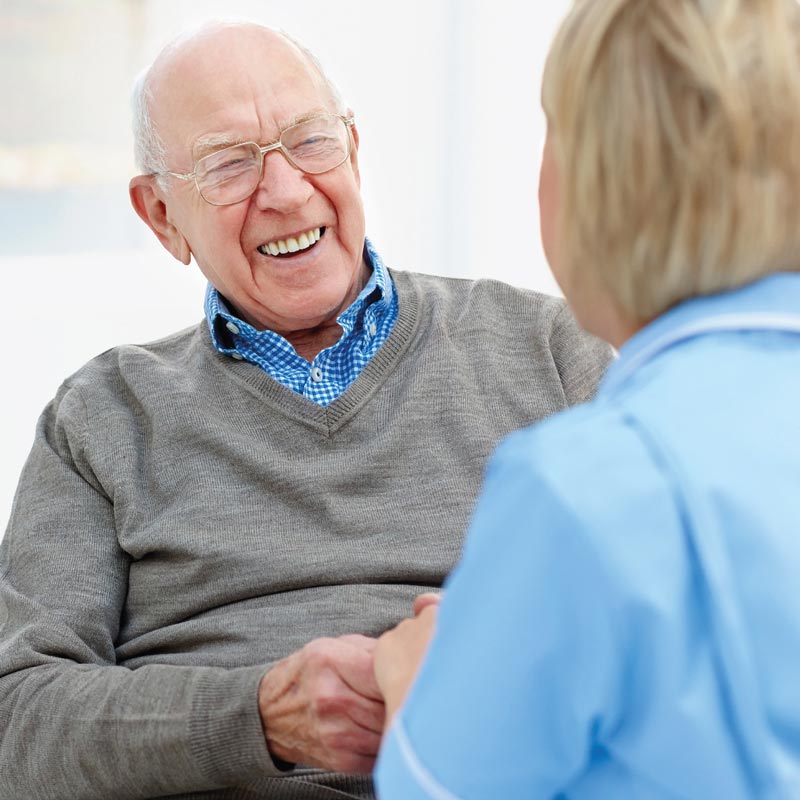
x=674 y=151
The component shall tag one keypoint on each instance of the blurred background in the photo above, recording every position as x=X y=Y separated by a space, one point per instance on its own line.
x=446 y=97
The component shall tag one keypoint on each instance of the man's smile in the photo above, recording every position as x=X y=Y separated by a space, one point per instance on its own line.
x=292 y=244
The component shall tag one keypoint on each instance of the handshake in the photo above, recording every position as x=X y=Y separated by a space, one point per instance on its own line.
x=328 y=704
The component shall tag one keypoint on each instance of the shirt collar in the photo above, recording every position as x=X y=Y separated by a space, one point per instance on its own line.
x=376 y=297
x=379 y=280
x=772 y=303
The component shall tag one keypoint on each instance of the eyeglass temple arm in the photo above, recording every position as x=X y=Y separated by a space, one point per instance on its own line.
x=184 y=176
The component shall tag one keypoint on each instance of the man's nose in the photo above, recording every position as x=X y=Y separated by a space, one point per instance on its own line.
x=282 y=187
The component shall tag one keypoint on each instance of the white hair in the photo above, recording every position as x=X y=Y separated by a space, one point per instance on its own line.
x=148 y=147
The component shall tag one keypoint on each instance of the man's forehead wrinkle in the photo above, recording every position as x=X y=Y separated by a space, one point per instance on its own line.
x=230 y=86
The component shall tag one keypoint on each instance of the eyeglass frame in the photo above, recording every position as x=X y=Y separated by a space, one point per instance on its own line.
x=276 y=145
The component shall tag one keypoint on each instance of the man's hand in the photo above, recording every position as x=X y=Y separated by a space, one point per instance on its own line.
x=401 y=650
x=321 y=705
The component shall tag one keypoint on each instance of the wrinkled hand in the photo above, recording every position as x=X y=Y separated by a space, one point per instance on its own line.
x=321 y=705
x=401 y=650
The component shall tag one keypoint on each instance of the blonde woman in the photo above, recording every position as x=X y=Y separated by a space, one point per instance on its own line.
x=625 y=622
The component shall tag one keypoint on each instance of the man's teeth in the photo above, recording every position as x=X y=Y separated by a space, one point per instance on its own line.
x=292 y=244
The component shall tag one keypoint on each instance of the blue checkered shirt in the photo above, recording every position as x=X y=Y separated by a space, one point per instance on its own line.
x=366 y=325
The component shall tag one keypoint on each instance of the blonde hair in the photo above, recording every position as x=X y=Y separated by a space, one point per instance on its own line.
x=676 y=130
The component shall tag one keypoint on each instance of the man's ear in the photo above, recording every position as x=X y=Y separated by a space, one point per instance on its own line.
x=354 y=152
x=150 y=206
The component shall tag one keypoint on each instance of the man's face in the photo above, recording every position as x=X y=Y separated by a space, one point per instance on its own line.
x=244 y=84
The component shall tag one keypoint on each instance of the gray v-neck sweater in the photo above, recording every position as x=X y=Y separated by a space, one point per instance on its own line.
x=184 y=521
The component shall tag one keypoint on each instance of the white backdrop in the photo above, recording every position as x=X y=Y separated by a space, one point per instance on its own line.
x=446 y=96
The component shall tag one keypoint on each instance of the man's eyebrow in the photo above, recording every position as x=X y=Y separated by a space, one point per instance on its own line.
x=317 y=112
x=209 y=144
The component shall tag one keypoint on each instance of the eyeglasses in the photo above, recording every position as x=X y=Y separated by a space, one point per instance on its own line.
x=231 y=175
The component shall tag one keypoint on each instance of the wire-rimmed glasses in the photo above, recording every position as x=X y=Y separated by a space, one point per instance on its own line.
x=230 y=175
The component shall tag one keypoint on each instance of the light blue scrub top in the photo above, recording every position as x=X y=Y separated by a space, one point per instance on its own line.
x=625 y=622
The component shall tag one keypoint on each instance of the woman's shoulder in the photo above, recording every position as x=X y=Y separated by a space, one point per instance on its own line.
x=594 y=465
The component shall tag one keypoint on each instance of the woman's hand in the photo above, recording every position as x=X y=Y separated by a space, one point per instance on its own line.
x=401 y=650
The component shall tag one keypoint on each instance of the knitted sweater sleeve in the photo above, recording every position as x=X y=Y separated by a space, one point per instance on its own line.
x=73 y=723
x=581 y=359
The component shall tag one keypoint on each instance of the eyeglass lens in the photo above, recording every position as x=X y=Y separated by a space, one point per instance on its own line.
x=314 y=146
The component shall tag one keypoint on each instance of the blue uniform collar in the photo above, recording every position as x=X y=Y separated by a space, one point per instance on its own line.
x=772 y=303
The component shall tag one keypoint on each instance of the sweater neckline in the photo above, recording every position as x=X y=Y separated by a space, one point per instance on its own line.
x=327 y=420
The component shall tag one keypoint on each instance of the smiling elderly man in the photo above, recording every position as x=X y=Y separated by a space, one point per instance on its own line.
x=212 y=528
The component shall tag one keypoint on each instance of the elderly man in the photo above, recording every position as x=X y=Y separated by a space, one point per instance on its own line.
x=212 y=528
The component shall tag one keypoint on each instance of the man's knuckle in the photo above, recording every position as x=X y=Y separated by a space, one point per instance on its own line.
x=319 y=653
x=327 y=703
x=350 y=739
x=334 y=739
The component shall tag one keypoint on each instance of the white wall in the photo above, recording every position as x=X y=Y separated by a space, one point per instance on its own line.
x=446 y=95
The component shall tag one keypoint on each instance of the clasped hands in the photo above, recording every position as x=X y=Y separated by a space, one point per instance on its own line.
x=327 y=704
